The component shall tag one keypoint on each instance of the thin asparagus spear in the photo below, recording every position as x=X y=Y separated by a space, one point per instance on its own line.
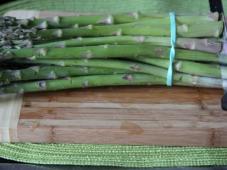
x=113 y=64
x=206 y=45
x=83 y=20
x=107 y=80
x=189 y=67
x=69 y=21
x=157 y=70
x=52 y=72
x=83 y=81
x=187 y=19
x=197 y=81
x=108 y=51
x=207 y=29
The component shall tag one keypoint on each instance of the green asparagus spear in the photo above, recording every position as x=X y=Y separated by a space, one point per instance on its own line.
x=83 y=20
x=157 y=67
x=108 y=51
x=52 y=72
x=106 y=80
x=207 y=29
x=113 y=64
x=83 y=81
x=189 y=67
x=206 y=45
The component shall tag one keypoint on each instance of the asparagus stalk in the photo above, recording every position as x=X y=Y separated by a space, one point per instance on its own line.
x=211 y=72
x=52 y=72
x=14 y=35
x=83 y=81
x=68 y=21
x=180 y=19
x=108 y=51
x=206 y=45
x=83 y=20
x=105 y=63
x=197 y=81
x=207 y=29
x=189 y=67
x=107 y=80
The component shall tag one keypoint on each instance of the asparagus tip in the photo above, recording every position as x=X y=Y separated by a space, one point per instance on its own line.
x=56 y=19
x=24 y=22
x=42 y=25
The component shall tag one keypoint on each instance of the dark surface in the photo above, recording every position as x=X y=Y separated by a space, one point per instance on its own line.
x=224 y=102
x=216 y=6
x=41 y=167
x=5 y=161
x=4 y=1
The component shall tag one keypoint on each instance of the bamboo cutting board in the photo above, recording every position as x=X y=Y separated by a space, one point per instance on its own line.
x=120 y=115
x=125 y=115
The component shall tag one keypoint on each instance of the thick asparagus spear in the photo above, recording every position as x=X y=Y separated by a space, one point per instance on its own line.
x=107 y=80
x=189 y=67
x=83 y=20
x=207 y=29
x=206 y=45
x=83 y=81
x=69 y=21
x=197 y=81
x=108 y=51
x=52 y=72
x=113 y=64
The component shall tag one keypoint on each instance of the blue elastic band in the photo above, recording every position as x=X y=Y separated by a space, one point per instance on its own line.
x=173 y=36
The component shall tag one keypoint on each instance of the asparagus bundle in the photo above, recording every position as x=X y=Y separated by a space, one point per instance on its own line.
x=106 y=50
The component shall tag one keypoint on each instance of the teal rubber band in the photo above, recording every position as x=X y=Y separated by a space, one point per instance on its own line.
x=173 y=36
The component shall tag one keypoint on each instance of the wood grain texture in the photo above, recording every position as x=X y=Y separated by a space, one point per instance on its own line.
x=125 y=115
